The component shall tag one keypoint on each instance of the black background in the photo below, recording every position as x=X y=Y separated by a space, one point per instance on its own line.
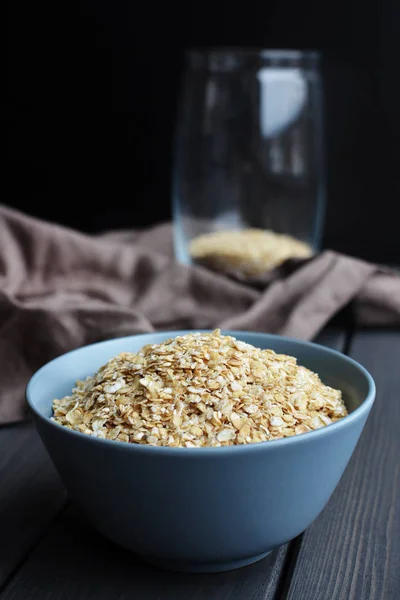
x=92 y=96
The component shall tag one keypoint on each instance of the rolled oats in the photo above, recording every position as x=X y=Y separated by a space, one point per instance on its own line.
x=200 y=390
x=246 y=252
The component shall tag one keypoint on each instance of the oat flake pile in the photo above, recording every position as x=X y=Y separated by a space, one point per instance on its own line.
x=248 y=252
x=200 y=390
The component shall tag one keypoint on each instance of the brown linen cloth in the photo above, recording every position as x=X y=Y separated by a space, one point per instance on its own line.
x=60 y=289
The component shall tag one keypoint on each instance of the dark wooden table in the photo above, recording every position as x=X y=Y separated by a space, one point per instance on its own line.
x=351 y=552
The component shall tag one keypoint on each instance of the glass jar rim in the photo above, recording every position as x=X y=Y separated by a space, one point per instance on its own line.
x=231 y=58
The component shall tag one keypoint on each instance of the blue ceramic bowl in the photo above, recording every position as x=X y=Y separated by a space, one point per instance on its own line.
x=202 y=509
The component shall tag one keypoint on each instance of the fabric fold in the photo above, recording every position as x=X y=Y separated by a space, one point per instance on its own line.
x=60 y=289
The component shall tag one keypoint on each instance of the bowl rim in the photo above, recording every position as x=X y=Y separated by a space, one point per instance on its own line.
x=204 y=451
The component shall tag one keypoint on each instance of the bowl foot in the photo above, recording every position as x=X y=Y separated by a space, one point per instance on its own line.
x=213 y=567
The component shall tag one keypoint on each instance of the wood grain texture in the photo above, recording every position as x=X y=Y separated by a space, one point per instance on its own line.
x=31 y=494
x=73 y=562
x=352 y=551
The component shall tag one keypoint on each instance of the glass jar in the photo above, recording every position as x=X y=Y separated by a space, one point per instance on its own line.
x=249 y=147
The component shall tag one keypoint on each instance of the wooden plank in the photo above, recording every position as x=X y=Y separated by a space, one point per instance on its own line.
x=335 y=338
x=31 y=494
x=74 y=562
x=352 y=551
